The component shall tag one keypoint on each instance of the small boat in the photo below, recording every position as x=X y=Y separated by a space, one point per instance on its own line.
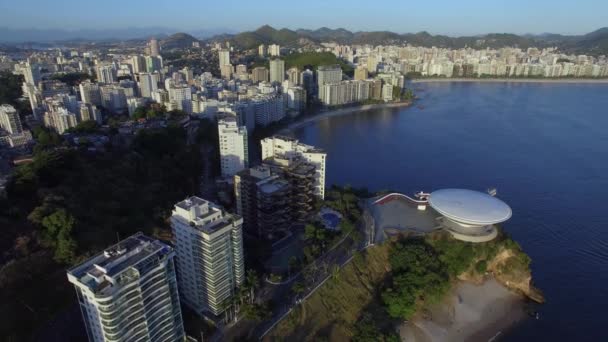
x=420 y=107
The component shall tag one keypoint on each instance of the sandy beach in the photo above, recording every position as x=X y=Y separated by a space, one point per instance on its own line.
x=512 y=80
x=343 y=111
x=470 y=313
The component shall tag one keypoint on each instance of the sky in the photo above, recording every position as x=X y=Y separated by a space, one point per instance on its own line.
x=451 y=17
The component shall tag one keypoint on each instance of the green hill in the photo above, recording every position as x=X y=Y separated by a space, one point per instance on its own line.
x=314 y=60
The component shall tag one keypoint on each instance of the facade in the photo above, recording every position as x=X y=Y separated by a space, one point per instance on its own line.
x=209 y=248
x=154 y=48
x=345 y=92
x=263 y=200
x=262 y=50
x=289 y=149
x=234 y=153
x=260 y=74
x=361 y=74
x=327 y=74
x=296 y=98
x=106 y=73
x=60 y=120
x=90 y=93
x=293 y=75
x=181 y=97
x=274 y=50
x=224 y=57
x=129 y=292
x=147 y=84
x=9 y=119
x=277 y=71
x=267 y=108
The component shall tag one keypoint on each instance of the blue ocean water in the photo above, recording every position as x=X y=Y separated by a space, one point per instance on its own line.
x=544 y=146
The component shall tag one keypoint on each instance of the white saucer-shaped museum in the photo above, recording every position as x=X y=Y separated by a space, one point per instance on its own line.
x=469 y=215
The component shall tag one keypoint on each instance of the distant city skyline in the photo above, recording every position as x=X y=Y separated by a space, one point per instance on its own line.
x=471 y=17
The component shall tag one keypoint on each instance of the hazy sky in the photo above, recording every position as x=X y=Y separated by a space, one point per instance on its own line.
x=453 y=17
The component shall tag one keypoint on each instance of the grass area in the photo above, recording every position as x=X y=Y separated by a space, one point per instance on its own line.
x=331 y=312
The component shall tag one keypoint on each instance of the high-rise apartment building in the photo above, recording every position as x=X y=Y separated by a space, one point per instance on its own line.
x=154 y=47
x=293 y=75
x=361 y=74
x=9 y=119
x=259 y=74
x=139 y=63
x=234 y=153
x=262 y=50
x=106 y=73
x=209 y=247
x=224 y=57
x=289 y=149
x=277 y=71
x=147 y=84
x=181 y=97
x=263 y=200
x=90 y=93
x=274 y=50
x=327 y=74
x=296 y=98
x=129 y=292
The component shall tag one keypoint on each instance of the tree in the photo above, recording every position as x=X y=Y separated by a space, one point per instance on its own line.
x=298 y=288
x=58 y=228
x=252 y=283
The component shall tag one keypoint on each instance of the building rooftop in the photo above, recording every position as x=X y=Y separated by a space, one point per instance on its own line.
x=104 y=271
x=202 y=215
x=469 y=207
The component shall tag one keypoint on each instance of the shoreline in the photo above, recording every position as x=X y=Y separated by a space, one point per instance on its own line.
x=343 y=111
x=513 y=80
x=471 y=312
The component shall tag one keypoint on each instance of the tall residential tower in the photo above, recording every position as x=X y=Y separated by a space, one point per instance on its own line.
x=129 y=292
x=209 y=247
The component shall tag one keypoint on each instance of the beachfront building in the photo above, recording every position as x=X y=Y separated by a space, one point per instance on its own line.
x=263 y=200
x=209 y=247
x=288 y=151
x=234 y=153
x=129 y=292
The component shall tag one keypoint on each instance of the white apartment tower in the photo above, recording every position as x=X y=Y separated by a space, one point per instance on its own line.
x=289 y=148
x=147 y=84
x=277 y=71
x=129 y=292
x=274 y=50
x=209 y=247
x=9 y=119
x=233 y=146
x=224 y=57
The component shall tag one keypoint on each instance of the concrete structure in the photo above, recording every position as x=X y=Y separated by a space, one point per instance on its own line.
x=263 y=200
x=260 y=74
x=154 y=48
x=106 y=73
x=274 y=50
x=209 y=247
x=147 y=84
x=327 y=74
x=361 y=74
x=234 y=153
x=9 y=119
x=469 y=215
x=181 y=97
x=224 y=57
x=129 y=292
x=90 y=93
x=296 y=99
x=289 y=149
x=277 y=71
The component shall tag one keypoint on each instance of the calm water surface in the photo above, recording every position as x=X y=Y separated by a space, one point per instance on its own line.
x=543 y=146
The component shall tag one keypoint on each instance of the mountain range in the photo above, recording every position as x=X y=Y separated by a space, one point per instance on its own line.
x=594 y=43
